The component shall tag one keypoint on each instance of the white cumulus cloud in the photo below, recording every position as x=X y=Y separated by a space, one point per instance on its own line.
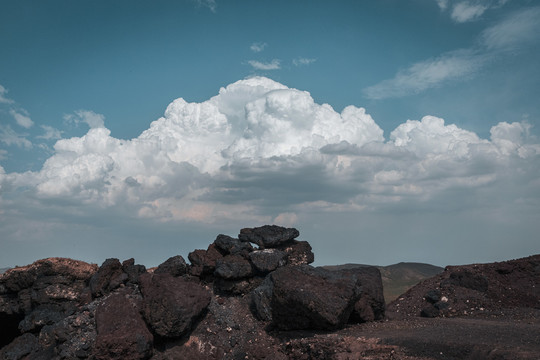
x=263 y=152
x=90 y=118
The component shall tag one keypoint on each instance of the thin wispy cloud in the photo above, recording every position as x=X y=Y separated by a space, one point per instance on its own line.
x=275 y=64
x=22 y=118
x=517 y=29
x=210 y=4
x=303 y=61
x=10 y=137
x=428 y=74
x=258 y=46
x=3 y=98
x=468 y=10
x=87 y=117
x=50 y=133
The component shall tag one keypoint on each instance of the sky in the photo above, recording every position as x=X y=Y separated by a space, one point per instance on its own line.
x=383 y=130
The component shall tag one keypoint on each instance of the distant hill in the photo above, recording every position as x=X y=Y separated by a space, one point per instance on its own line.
x=398 y=278
x=3 y=270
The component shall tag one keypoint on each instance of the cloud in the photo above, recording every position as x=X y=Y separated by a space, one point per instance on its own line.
x=428 y=74
x=469 y=10
x=22 y=118
x=258 y=46
x=517 y=29
x=521 y=27
x=272 y=65
x=210 y=4
x=11 y=138
x=262 y=151
x=50 y=133
x=463 y=12
x=90 y=118
x=303 y=61
x=3 y=98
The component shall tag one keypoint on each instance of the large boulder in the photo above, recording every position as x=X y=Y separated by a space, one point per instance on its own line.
x=304 y=297
x=172 y=304
x=371 y=304
x=268 y=236
x=121 y=330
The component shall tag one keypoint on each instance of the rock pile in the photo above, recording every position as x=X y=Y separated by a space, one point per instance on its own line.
x=220 y=306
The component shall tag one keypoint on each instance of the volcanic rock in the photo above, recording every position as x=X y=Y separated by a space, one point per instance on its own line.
x=133 y=271
x=267 y=260
x=109 y=276
x=172 y=304
x=228 y=245
x=304 y=297
x=203 y=262
x=268 y=236
x=176 y=266
x=121 y=330
x=371 y=304
x=233 y=267
x=298 y=252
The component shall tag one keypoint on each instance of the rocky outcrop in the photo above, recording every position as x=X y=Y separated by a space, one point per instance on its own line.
x=217 y=307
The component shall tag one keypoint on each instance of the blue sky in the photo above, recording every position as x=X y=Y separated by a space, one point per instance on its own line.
x=436 y=160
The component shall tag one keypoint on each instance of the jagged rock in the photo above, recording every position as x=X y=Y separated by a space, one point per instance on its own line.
x=176 y=266
x=267 y=260
x=203 y=262
x=133 y=271
x=42 y=315
x=236 y=286
x=121 y=331
x=268 y=236
x=304 y=297
x=261 y=299
x=298 y=252
x=233 y=267
x=232 y=246
x=371 y=304
x=172 y=304
x=109 y=276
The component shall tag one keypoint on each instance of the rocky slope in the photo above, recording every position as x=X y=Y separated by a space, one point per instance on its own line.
x=257 y=297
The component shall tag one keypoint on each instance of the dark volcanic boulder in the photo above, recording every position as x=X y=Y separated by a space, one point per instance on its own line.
x=172 y=304
x=132 y=270
x=232 y=246
x=121 y=331
x=176 y=266
x=203 y=262
x=371 y=304
x=233 y=267
x=267 y=260
x=268 y=236
x=298 y=252
x=109 y=276
x=304 y=297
